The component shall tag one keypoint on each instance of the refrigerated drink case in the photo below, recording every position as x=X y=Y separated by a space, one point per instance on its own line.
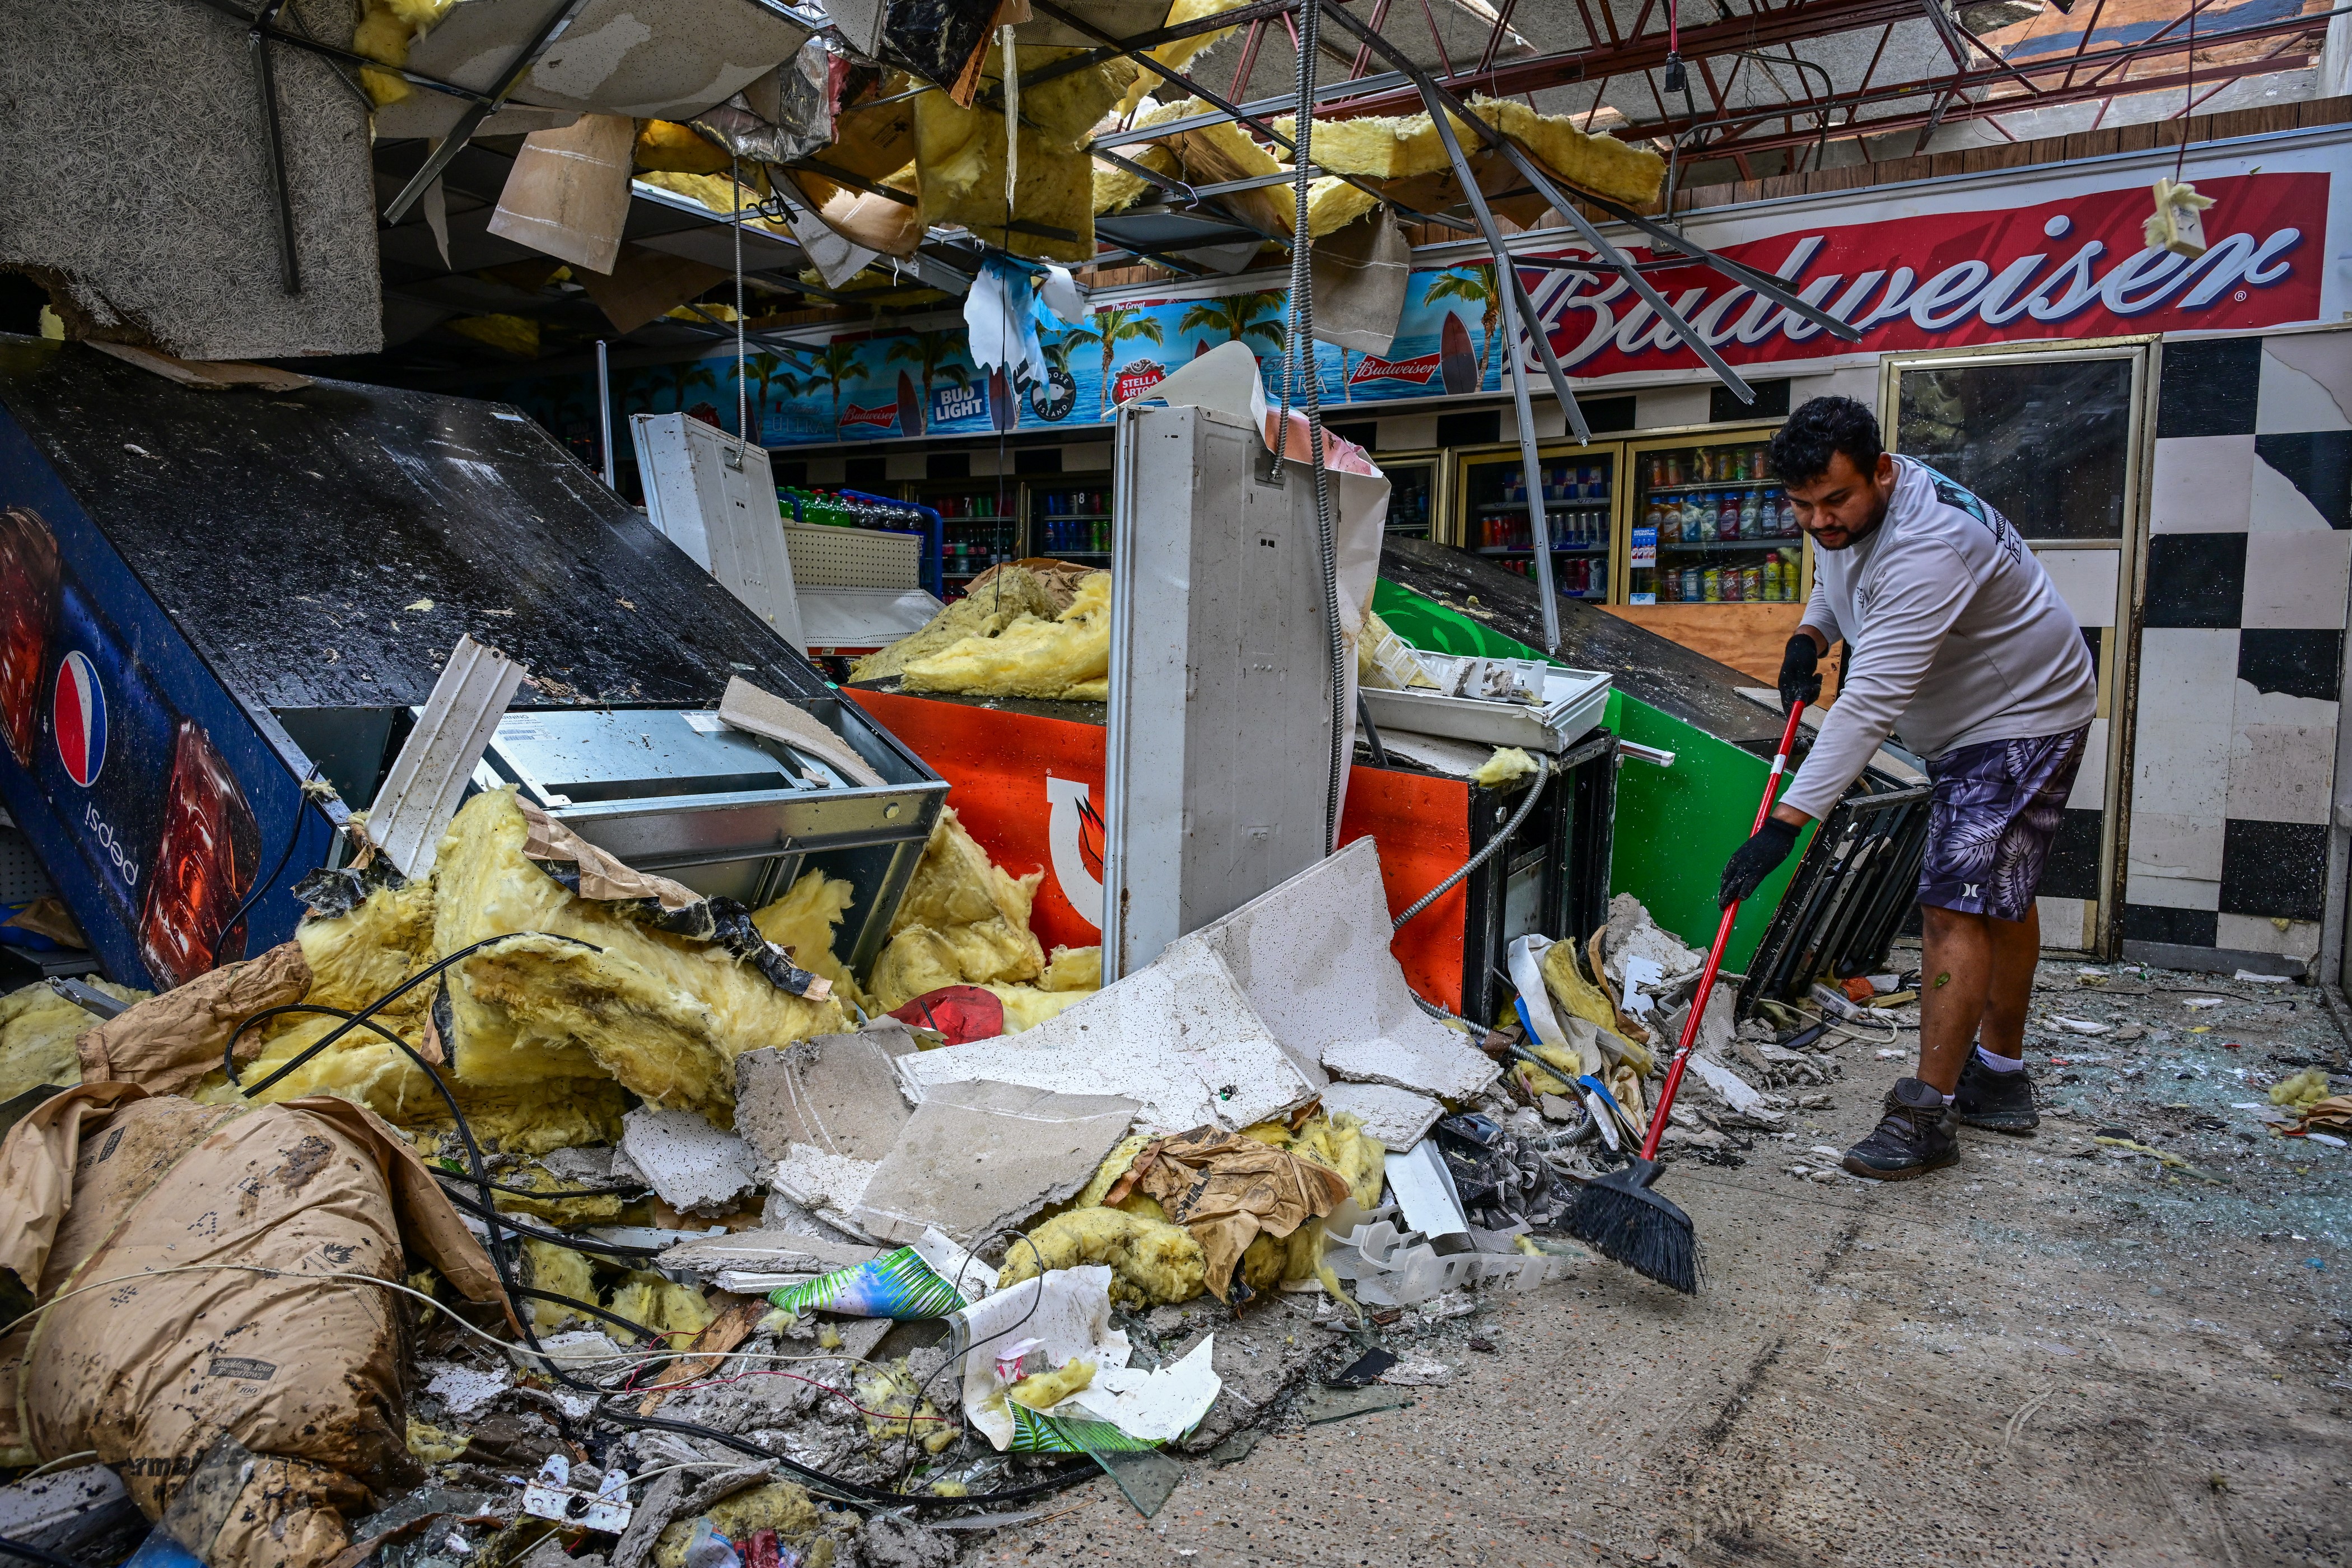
x=1578 y=490
x=1711 y=525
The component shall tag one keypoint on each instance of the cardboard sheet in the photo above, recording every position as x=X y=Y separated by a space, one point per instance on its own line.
x=568 y=194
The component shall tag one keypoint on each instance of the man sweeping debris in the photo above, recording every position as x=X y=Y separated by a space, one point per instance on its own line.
x=1957 y=643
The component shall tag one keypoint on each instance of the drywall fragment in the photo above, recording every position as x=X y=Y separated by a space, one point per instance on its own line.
x=837 y=1092
x=1312 y=958
x=695 y=1167
x=764 y=1251
x=980 y=1157
x=826 y=1185
x=747 y=708
x=1179 y=1035
x=1424 y=1191
x=1398 y=1118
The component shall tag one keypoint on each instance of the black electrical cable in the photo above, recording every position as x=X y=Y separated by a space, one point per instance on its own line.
x=228 y=1052
x=845 y=1490
x=629 y=1189
x=540 y=1233
x=34 y=1555
x=293 y=836
x=576 y=1304
x=853 y=1491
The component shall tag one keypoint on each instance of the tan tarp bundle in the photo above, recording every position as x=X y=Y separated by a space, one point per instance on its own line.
x=105 y=1183
x=167 y=1042
x=1226 y=1188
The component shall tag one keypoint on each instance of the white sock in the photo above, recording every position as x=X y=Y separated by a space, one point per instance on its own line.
x=1948 y=1098
x=2000 y=1064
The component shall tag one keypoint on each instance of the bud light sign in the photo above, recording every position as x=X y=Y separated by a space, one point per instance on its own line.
x=2075 y=267
x=952 y=402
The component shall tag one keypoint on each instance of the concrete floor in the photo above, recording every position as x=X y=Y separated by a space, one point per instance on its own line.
x=2051 y=1354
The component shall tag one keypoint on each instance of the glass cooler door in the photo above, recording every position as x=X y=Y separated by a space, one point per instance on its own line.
x=1578 y=486
x=1710 y=526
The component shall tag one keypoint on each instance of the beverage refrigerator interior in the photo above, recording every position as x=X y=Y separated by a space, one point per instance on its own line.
x=1069 y=519
x=1579 y=490
x=1412 y=495
x=980 y=526
x=1709 y=524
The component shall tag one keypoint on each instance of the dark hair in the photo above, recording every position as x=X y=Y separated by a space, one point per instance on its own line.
x=1823 y=427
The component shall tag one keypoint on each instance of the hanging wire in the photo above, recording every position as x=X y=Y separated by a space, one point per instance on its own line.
x=743 y=390
x=1300 y=376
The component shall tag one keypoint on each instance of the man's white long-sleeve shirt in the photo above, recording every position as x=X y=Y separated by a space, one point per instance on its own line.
x=1954 y=636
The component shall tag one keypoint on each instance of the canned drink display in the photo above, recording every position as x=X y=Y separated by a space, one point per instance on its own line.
x=1693 y=589
x=1751 y=582
x=1711 y=585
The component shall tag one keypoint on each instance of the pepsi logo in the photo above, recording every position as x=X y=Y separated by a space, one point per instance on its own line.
x=80 y=710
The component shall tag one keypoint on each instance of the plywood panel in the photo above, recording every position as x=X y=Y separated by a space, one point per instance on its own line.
x=1749 y=637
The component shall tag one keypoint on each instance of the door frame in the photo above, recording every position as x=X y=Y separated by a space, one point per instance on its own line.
x=2119 y=680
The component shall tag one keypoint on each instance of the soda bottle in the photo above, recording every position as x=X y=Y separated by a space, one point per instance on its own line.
x=1728 y=524
x=1668 y=521
x=1772 y=576
x=1751 y=516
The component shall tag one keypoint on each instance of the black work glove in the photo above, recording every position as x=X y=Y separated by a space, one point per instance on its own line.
x=1755 y=860
x=1801 y=679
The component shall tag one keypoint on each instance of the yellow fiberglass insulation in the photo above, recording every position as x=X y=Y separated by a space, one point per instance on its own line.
x=1396 y=147
x=1177 y=53
x=1115 y=187
x=1509 y=762
x=1014 y=592
x=964 y=921
x=386 y=30
x=1565 y=979
x=778 y=1506
x=663 y=1016
x=667 y=147
x=358 y=957
x=894 y=1405
x=1073 y=969
x=1027 y=1006
x=432 y=1443
x=1332 y=204
x=563 y=1271
x=1067 y=658
x=660 y=1304
x=960 y=154
x=37 y=1030
x=1151 y=1261
x=717 y=192
x=803 y=921
x=1043 y=1391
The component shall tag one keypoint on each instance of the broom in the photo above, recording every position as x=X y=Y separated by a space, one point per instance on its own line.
x=1617 y=1215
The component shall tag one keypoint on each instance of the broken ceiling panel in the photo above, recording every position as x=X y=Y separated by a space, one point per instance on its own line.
x=181 y=251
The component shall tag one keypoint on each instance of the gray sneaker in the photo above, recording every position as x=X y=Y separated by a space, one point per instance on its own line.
x=1912 y=1137
x=1998 y=1101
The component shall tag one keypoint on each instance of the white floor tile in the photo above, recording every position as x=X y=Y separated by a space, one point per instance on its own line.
x=2201 y=484
x=2253 y=933
x=2281 y=773
x=2305 y=377
x=2276 y=505
x=2297 y=579
x=2171 y=892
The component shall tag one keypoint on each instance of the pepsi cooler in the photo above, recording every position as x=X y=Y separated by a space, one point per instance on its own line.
x=210 y=600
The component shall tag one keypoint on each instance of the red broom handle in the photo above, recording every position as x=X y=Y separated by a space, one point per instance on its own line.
x=1714 y=954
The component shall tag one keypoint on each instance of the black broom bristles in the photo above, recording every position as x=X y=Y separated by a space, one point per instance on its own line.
x=1621 y=1218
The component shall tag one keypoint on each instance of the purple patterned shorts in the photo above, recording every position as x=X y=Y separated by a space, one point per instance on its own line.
x=1992 y=819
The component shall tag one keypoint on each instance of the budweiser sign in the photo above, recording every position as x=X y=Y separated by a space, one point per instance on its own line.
x=882 y=417
x=1420 y=369
x=2075 y=267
